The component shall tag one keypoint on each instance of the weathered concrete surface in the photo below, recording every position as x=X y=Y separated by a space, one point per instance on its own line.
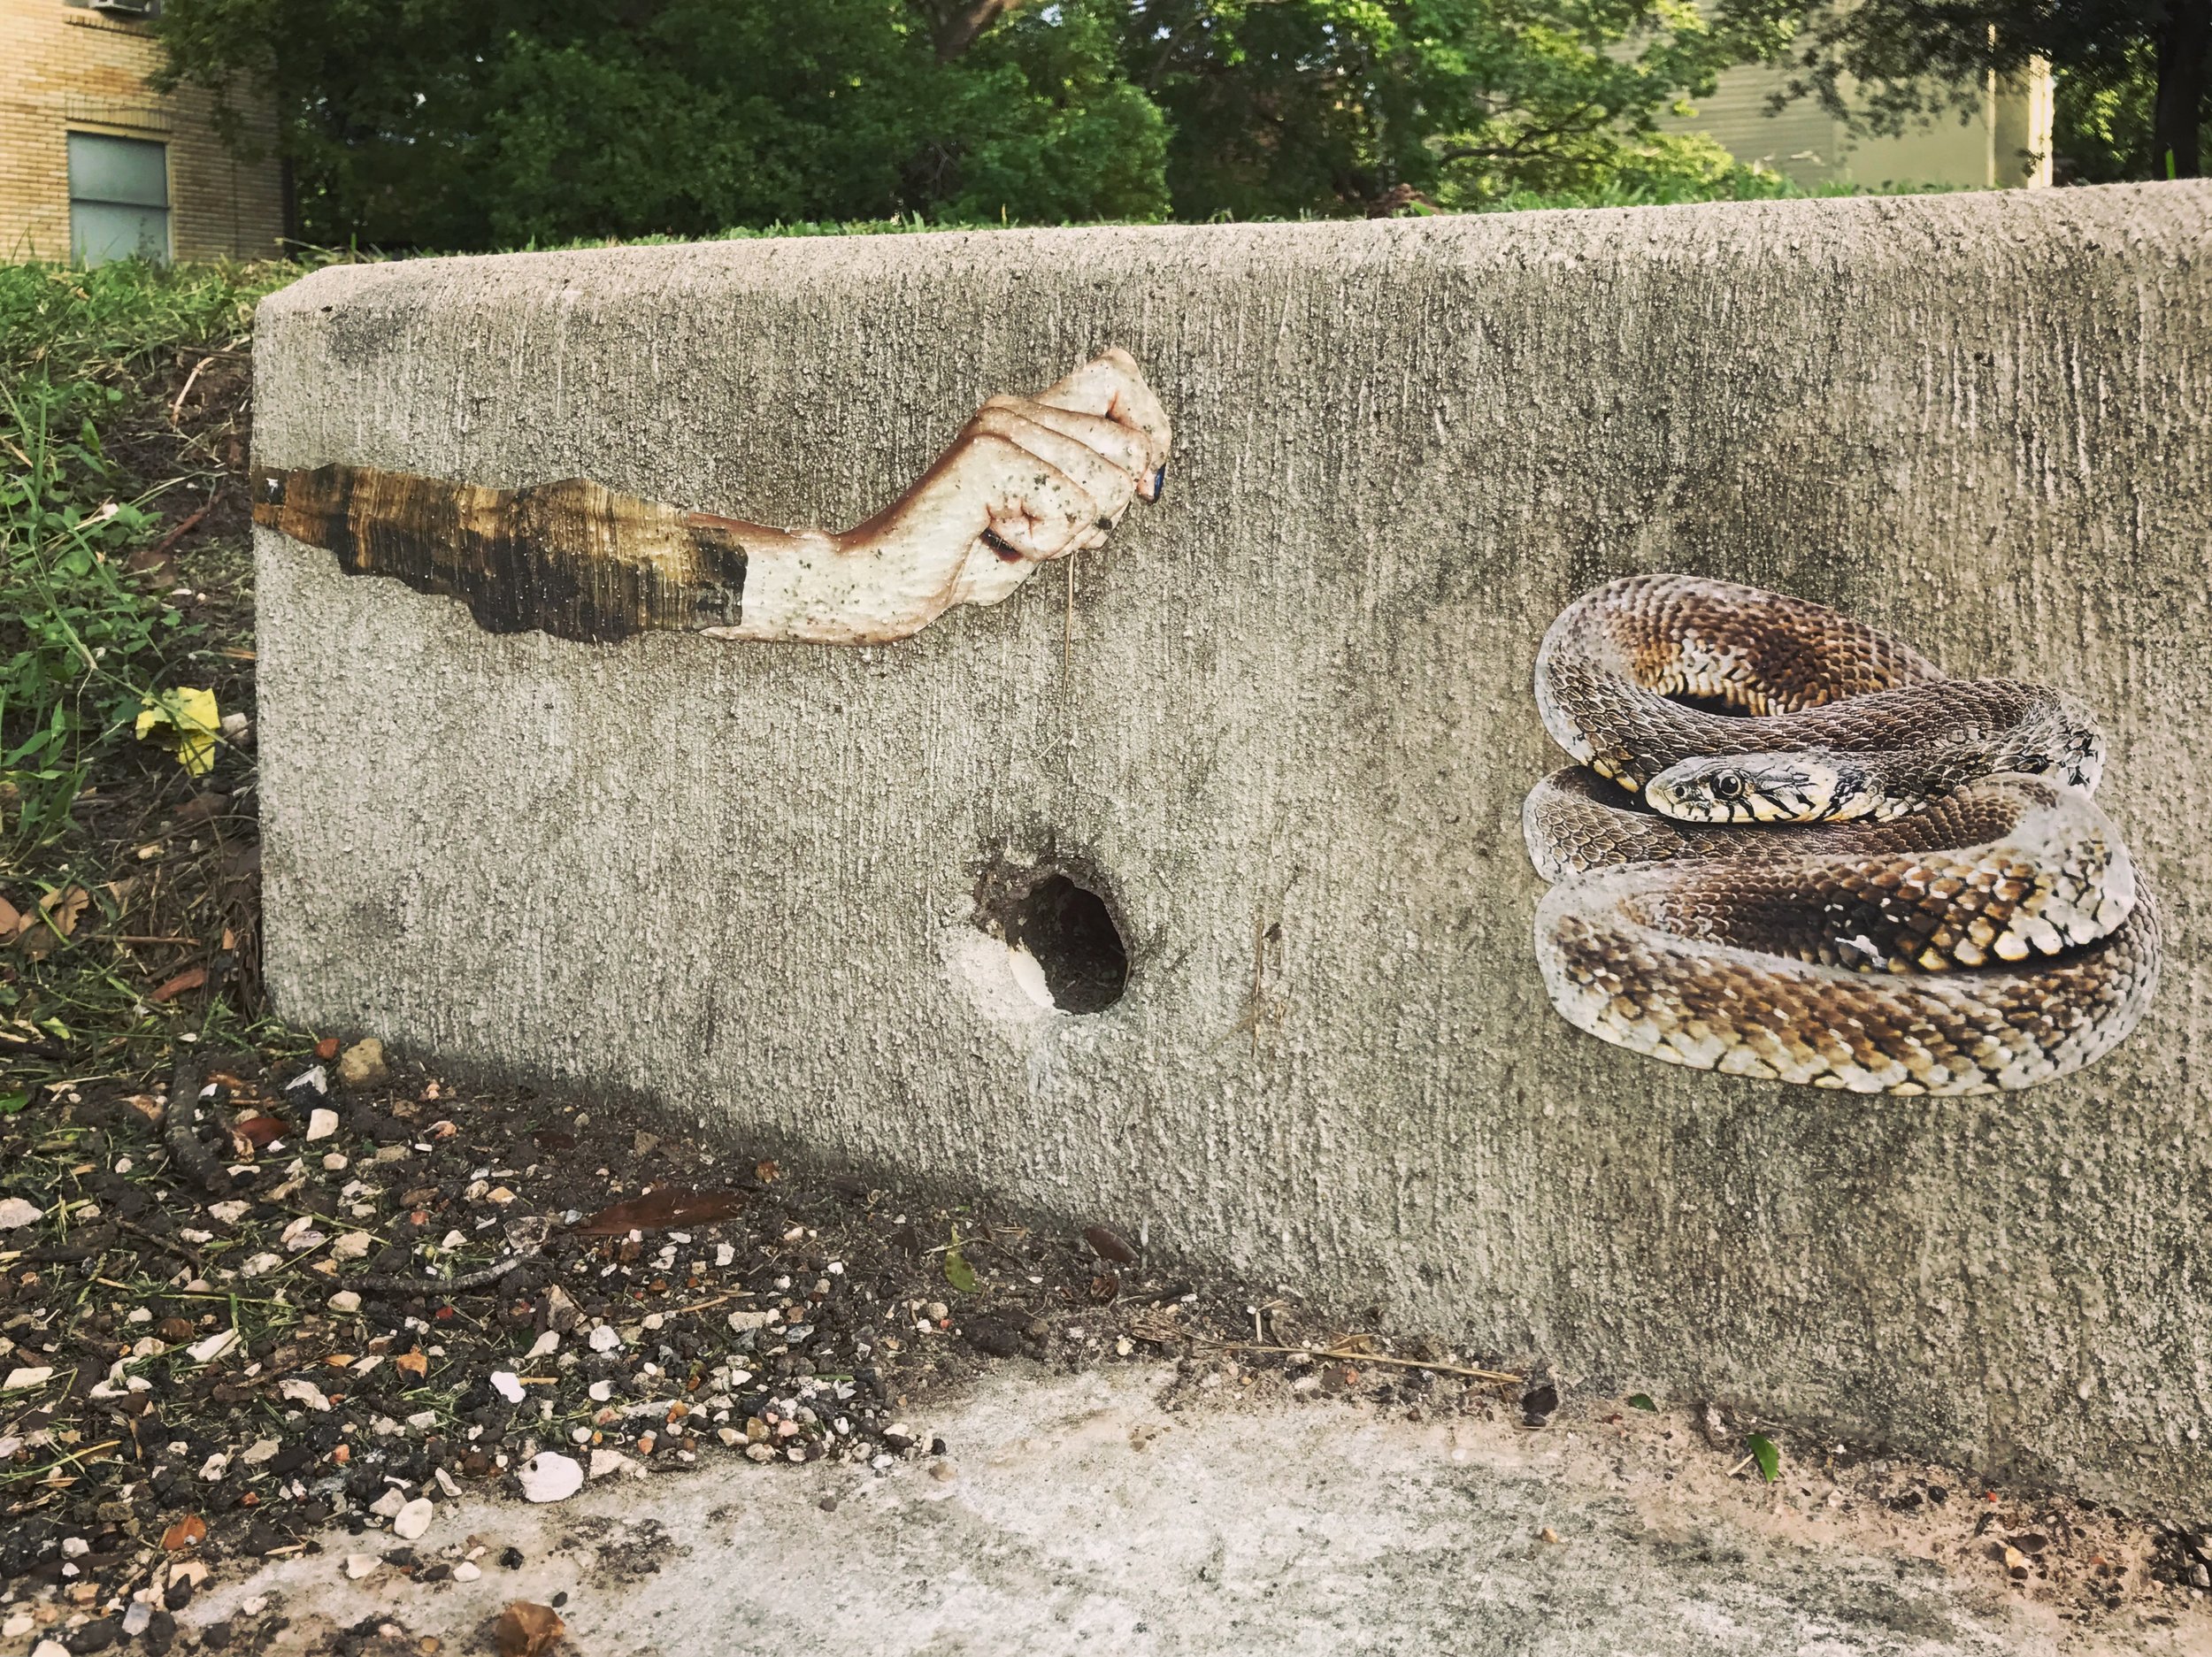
x=1082 y=1518
x=739 y=878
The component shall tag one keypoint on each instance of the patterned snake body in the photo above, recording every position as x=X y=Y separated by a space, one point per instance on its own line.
x=1869 y=877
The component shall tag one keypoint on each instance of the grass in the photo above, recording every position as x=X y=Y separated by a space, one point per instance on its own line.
x=124 y=629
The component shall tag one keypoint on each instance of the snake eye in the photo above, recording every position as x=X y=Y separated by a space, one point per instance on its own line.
x=1728 y=786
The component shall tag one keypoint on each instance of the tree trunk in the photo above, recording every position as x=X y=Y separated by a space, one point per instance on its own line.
x=2185 y=63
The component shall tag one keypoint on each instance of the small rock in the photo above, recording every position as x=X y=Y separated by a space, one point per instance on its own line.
x=29 y=1375
x=604 y=1463
x=991 y=1335
x=260 y=1450
x=321 y=1124
x=303 y=1392
x=360 y=1565
x=351 y=1246
x=213 y=1346
x=1539 y=1402
x=1548 y=1535
x=346 y=1301
x=259 y=1265
x=388 y=1506
x=943 y=1472
x=95 y=1635
x=136 y=1619
x=549 y=1475
x=413 y=1519
x=15 y=1213
x=550 y=1341
x=467 y=1571
x=334 y=1162
x=936 y=1311
x=362 y=1064
x=315 y=1079
x=606 y=1337
x=506 y=1383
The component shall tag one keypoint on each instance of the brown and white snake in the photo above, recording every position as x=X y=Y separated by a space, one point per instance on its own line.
x=1794 y=848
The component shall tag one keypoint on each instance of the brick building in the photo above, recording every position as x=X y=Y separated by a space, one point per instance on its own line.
x=96 y=164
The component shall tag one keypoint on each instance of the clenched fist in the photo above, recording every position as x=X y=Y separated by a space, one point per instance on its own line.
x=1028 y=479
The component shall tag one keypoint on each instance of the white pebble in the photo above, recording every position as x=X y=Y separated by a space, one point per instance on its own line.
x=506 y=1385
x=548 y=1342
x=605 y=1338
x=549 y=1475
x=321 y=1124
x=468 y=1570
x=359 y=1565
x=345 y=1301
x=413 y=1519
x=15 y=1213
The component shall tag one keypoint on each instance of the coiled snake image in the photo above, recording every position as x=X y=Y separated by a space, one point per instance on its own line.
x=1794 y=848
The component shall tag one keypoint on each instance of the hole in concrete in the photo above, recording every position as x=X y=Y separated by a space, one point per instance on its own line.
x=1062 y=927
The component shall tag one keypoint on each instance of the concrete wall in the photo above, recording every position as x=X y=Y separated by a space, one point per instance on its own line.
x=1296 y=694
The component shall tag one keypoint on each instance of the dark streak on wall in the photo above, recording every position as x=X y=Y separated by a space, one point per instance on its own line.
x=573 y=558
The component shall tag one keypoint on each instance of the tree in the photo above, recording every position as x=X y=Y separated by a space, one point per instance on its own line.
x=422 y=123
x=1281 y=107
x=1882 y=62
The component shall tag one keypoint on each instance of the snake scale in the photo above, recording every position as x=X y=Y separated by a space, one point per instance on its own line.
x=1794 y=848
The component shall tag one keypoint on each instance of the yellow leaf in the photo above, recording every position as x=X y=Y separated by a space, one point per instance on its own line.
x=185 y=722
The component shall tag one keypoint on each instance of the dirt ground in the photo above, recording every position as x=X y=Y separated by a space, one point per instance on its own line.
x=335 y=1297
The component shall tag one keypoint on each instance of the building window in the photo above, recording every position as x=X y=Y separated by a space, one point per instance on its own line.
x=119 y=198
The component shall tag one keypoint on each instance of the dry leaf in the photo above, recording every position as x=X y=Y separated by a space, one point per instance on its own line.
x=61 y=909
x=525 y=1629
x=184 y=1533
x=190 y=978
x=260 y=1131
x=12 y=921
x=413 y=1362
x=658 y=1210
x=1109 y=1245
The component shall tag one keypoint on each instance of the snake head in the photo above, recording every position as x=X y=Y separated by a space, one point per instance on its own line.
x=1800 y=787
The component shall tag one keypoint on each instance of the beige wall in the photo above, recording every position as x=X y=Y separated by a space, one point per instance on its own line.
x=2005 y=141
x=72 y=69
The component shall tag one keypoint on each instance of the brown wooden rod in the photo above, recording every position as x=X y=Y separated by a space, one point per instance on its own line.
x=573 y=558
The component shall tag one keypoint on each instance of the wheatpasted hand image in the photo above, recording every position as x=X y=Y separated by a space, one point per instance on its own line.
x=1027 y=479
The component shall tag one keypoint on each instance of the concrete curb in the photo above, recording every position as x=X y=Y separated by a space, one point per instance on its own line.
x=1287 y=738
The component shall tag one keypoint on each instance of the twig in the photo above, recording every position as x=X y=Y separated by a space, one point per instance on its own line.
x=161 y=548
x=189 y=1257
x=1375 y=1357
x=190 y=381
x=401 y=1284
x=1739 y=1467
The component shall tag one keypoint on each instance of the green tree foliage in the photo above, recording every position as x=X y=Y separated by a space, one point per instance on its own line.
x=2135 y=76
x=1322 y=106
x=496 y=122
x=425 y=123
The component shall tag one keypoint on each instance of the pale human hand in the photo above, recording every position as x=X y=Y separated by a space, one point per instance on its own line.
x=1028 y=479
